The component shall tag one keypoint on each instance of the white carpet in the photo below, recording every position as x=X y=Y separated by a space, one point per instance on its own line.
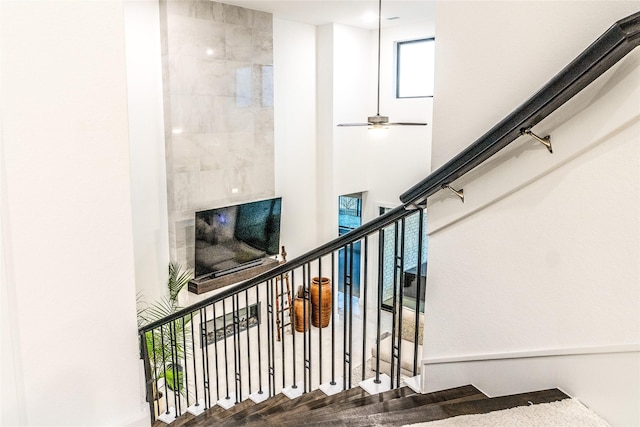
x=565 y=413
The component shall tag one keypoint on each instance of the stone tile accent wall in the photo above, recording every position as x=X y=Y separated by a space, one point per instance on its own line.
x=218 y=111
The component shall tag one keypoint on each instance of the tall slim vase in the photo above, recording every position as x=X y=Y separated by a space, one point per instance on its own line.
x=321 y=301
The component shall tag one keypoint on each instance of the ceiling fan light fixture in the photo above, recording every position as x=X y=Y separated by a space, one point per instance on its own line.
x=378 y=130
x=378 y=121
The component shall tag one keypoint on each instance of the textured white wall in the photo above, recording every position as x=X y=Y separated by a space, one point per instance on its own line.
x=67 y=230
x=543 y=255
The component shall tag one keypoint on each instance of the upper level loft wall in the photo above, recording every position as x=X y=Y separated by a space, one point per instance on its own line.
x=218 y=100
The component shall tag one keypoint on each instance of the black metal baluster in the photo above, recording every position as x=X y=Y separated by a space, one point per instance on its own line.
x=401 y=297
x=394 y=310
x=246 y=302
x=363 y=289
x=204 y=345
x=380 y=296
x=174 y=360
x=164 y=369
x=215 y=349
x=281 y=314
x=334 y=295
x=226 y=362
x=320 y=319
x=260 y=390
x=308 y=333
x=270 y=339
x=185 y=387
x=293 y=332
x=418 y=286
x=307 y=326
x=155 y=370
x=346 y=382
x=236 y=347
x=350 y=277
x=144 y=354
x=193 y=359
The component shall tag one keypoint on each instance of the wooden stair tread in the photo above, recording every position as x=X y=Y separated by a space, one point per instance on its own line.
x=361 y=415
x=215 y=413
x=349 y=398
x=355 y=407
x=481 y=406
x=371 y=399
x=284 y=404
x=300 y=406
x=440 y=411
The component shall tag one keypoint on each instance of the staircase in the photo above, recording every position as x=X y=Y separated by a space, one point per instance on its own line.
x=355 y=407
x=209 y=352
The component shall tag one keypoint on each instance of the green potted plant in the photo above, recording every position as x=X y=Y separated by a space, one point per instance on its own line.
x=169 y=345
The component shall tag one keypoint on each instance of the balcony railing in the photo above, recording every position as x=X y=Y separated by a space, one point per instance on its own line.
x=245 y=341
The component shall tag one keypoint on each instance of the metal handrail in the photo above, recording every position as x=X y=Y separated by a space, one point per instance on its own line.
x=601 y=55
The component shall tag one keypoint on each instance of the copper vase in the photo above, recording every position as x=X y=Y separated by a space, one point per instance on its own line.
x=301 y=312
x=321 y=301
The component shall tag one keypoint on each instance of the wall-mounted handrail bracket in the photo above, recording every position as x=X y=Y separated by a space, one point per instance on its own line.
x=546 y=141
x=422 y=204
x=459 y=193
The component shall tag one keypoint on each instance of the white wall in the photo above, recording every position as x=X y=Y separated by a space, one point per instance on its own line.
x=66 y=216
x=493 y=55
x=327 y=203
x=538 y=269
x=352 y=94
x=295 y=133
x=147 y=155
x=402 y=157
x=381 y=163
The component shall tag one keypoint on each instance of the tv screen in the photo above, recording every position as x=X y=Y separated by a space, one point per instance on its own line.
x=232 y=237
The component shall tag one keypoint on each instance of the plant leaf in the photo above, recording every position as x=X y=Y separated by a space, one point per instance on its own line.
x=177 y=280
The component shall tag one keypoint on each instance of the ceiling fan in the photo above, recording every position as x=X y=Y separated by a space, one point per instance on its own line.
x=378 y=121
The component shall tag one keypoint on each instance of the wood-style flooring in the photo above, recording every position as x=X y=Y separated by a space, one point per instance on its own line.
x=355 y=408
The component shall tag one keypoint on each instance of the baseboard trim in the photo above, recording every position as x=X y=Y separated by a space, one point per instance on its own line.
x=571 y=351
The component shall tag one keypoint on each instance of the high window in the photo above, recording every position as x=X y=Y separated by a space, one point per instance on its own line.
x=414 y=68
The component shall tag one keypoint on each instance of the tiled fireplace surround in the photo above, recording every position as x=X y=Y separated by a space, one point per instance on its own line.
x=218 y=111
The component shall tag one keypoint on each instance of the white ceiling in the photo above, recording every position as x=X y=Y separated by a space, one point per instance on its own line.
x=343 y=12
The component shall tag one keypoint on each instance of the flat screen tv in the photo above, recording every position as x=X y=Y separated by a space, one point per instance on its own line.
x=236 y=237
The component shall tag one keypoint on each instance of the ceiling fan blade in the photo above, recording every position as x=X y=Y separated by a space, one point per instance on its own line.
x=354 y=124
x=406 y=124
